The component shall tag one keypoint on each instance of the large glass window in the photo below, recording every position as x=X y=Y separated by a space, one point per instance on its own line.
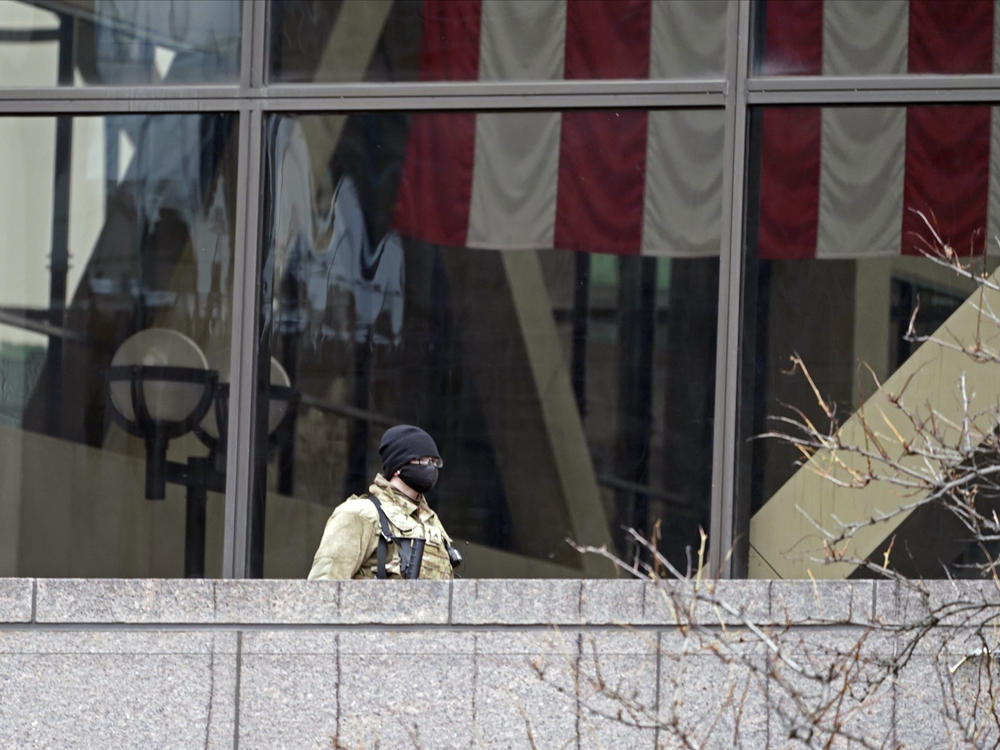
x=860 y=37
x=495 y=40
x=834 y=270
x=112 y=225
x=113 y=42
x=536 y=289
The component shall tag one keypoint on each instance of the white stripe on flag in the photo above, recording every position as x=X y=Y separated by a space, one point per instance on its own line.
x=513 y=203
x=682 y=203
x=682 y=212
x=862 y=156
x=861 y=37
x=688 y=38
x=522 y=41
x=862 y=160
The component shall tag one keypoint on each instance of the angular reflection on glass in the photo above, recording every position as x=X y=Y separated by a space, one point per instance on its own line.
x=834 y=273
x=422 y=275
x=123 y=223
x=119 y=42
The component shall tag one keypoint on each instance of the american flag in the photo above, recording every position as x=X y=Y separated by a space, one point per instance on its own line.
x=623 y=181
x=834 y=182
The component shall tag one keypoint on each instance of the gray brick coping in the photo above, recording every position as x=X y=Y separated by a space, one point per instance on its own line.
x=478 y=603
x=16 y=599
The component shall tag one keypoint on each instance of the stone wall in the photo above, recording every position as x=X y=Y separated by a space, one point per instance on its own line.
x=473 y=663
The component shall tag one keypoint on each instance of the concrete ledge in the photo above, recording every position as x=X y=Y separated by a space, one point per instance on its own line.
x=476 y=663
x=81 y=600
x=954 y=602
x=515 y=602
x=818 y=602
x=669 y=602
x=476 y=602
x=759 y=602
x=273 y=602
x=15 y=599
x=251 y=602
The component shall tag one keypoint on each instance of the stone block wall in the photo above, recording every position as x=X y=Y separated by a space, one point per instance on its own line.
x=470 y=664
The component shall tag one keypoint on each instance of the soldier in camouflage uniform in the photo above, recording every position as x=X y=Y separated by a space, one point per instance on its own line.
x=354 y=533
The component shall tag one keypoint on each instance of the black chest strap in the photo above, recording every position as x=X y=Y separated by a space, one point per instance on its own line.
x=411 y=551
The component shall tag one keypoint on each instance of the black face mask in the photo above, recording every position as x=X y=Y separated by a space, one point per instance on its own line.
x=420 y=477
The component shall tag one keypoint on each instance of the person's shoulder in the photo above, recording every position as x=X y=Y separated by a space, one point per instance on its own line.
x=358 y=505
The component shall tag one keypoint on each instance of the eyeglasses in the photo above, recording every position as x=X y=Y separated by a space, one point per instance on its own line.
x=428 y=461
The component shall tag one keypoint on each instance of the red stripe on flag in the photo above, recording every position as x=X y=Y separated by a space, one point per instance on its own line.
x=793 y=38
x=435 y=184
x=790 y=136
x=602 y=168
x=947 y=177
x=607 y=39
x=789 y=182
x=449 y=43
x=602 y=155
x=948 y=147
x=951 y=37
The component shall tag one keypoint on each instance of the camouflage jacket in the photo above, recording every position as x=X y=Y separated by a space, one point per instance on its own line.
x=349 y=545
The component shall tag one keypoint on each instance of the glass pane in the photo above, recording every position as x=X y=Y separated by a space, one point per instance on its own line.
x=422 y=275
x=834 y=271
x=495 y=40
x=860 y=37
x=111 y=42
x=116 y=225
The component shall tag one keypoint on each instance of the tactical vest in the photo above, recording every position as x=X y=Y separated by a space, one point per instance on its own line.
x=419 y=557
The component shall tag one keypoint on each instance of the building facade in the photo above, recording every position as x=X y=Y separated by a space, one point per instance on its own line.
x=575 y=241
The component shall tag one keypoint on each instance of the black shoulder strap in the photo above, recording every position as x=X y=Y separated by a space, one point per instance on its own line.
x=384 y=537
x=411 y=551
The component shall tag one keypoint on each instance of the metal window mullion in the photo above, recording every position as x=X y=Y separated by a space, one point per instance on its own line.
x=243 y=353
x=433 y=89
x=15 y=107
x=150 y=103
x=252 y=73
x=78 y=96
x=227 y=99
x=724 y=437
x=246 y=303
x=494 y=95
x=258 y=57
x=145 y=100
x=871 y=83
x=876 y=89
x=872 y=97
x=481 y=102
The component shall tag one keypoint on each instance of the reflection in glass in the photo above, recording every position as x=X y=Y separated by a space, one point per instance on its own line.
x=859 y=37
x=421 y=275
x=495 y=40
x=834 y=271
x=122 y=223
x=119 y=42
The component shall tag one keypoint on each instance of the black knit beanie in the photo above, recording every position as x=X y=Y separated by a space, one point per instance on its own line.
x=402 y=443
